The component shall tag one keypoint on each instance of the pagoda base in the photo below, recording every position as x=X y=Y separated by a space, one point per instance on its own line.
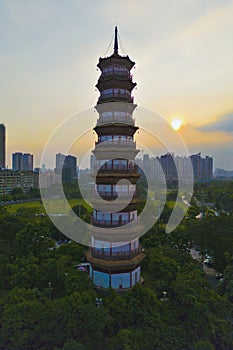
x=118 y=281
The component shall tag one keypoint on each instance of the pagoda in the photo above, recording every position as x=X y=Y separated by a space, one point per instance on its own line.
x=115 y=258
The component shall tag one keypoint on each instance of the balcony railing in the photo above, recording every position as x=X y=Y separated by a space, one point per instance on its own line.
x=116 y=142
x=110 y=255
x=120 y=167
x=113 y=195
x=114 y=73
x=109 y=223
x=112 y=119
x=115 y=96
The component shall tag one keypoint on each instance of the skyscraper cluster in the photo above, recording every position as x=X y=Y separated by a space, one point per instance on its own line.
x=22 y=175
x=22 y=161
x=170 y=165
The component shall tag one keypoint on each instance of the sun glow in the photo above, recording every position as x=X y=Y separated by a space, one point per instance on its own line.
x=176 y=124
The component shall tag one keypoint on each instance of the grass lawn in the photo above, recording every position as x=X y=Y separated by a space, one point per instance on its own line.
x=55 y=206
x=12 y=208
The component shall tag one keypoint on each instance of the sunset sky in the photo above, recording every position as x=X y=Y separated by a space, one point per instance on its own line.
x=184 y=66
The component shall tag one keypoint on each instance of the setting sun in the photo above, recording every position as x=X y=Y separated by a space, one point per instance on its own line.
x=176 y=124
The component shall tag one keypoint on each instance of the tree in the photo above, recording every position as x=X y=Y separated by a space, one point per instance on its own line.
x=71 y=344
x=180 y=239
x=226 y=286
x=77 y=281
x=9 y=226
x=17 y=191
x=21 y=312
x=28 y=211
x=82 y=211
x=74 y=250
x=204 y=345
x=24 y=272
x=33 y=239
x=162 y=267
x=215 y=236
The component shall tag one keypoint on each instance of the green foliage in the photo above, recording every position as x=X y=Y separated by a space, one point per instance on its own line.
x=17 y=191
x=215 y=236
x=47 y=304
x=34 y=238
x=71 y=344
x=142 y=186
x=75 y=250
x=226 y=285
x=27 y=211
x=204 y=345
x=219 y=192
x=84 y=212
x=77 y=281
x=161 y=267
x=172 y=195
x=71 y=190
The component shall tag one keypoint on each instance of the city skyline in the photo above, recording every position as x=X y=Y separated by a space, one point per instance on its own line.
x=24 y=161
x=183 y=67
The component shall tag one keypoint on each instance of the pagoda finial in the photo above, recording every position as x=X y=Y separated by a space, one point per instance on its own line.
x=116 y=41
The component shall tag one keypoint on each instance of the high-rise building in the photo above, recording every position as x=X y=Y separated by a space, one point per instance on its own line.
x=71 y=163
x=2 y=146
x=168 y=166
x=60 y=159
x=66 y=166
x=92 y=163
x=17 y=161
x=202 y=168
x=22 y=161
x=115 y=263
x=27 y=161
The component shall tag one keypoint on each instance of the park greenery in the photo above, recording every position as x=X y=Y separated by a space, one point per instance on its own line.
x=47 y=303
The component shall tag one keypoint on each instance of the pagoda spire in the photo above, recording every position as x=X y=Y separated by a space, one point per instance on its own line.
x=116 y=41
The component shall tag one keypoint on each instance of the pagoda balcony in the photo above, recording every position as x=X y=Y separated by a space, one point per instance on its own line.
x=114 y=195
x=115 y=97
x=120 y=168
x=119 y=142
x=110 y=255
x=117 y=74
x=113 y=119
x=110 y=223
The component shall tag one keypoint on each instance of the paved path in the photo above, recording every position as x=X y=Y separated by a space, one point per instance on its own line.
x=210 y=273
x=211 y=276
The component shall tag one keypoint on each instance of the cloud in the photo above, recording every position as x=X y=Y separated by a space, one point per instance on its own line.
x=215 y=142
x=196 y=136
x=223 y=123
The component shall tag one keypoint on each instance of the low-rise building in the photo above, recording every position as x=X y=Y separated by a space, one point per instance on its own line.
x=9 y=180
x=48 y=178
